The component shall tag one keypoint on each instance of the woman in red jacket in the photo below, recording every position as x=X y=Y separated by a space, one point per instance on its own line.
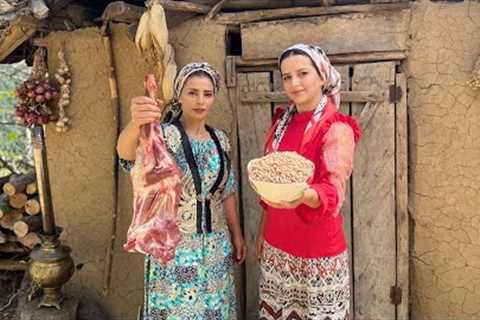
x=301 y=244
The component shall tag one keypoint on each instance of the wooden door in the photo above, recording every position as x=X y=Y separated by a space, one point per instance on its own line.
x=376 y=224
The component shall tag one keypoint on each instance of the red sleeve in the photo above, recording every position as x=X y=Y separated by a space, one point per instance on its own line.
x=334 y=167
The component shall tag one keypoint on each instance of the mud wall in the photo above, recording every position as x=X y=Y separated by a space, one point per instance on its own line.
x=444 y=160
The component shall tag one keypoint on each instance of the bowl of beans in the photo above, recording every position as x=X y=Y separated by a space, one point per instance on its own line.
x=280 y=176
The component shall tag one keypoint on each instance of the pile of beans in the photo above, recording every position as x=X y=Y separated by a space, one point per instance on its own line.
x=281 y=167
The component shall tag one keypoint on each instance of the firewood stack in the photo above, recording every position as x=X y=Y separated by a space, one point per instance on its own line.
x=20 y=219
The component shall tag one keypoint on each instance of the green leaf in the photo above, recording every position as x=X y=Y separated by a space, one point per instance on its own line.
x=12 y=136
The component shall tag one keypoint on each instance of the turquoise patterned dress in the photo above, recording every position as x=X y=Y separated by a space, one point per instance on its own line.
x=198 y=284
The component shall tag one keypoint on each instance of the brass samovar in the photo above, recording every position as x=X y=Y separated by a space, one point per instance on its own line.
x=51 y=265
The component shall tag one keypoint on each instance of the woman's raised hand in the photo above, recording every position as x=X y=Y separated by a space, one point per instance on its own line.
x=145 y=110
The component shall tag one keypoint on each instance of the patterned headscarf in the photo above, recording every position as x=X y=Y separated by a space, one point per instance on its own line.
x=330 y=91
x=331 y=87
x=182 y=77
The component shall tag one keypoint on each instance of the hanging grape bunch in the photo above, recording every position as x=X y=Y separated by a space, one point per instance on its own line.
x=35 y=94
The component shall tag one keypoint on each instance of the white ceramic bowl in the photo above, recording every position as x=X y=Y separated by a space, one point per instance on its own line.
x=277 y=192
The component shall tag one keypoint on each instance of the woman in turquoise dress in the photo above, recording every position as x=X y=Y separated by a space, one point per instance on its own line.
x=198 y=283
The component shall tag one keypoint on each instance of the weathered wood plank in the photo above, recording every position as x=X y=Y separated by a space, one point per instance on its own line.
x=239 y=271
x=248 y=16
x=184 y=6
x=253 y=123
x=402 y=198
x=350 y=33
x=12 y=265
x=346 y=210
x=277 y=83
x=346 y=96
x=258 y=65
x=374 y=200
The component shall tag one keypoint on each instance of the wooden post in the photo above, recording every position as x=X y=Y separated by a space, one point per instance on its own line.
x=403 y=262
x=373 y=190
x=254 y=119
x=115 y=105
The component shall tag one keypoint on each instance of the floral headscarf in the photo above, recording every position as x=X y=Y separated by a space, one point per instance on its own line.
x=182 y=77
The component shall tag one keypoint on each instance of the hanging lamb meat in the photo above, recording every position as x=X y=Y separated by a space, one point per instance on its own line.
x=156 y=190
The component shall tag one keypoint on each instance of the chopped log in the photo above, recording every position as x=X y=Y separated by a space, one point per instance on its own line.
x=7 y=236
x=12 y=265
x=32 y=207
x=18 y=183
x=27 y=224
x=30 y=240
x=4 y=180
x=18 y=200
x=12 y=247
x=31 y=188
x=4 y=206
x=8 y=220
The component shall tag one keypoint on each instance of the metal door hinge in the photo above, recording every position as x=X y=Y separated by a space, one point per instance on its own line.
x=396 y=295
x=395 y=94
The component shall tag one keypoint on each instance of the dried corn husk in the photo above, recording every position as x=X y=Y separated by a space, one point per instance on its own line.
x=143 y=38
x=158 y=28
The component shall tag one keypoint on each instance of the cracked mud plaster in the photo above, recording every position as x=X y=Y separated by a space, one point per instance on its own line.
x=81 y=160
x=444 y=160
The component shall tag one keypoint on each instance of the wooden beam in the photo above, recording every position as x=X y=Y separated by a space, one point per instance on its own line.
x=11 y=265
x=296 y=12
x=246 y=65
x=215 y=9
x=120 y=11
x=346 y=96
x=383 y=31
x=184 y=6
x=14 y=36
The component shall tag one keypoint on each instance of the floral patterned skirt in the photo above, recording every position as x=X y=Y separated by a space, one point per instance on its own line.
x=293 y=288
x=197 y=285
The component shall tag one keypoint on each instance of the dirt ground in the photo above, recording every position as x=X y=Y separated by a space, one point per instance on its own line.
x=9 y=285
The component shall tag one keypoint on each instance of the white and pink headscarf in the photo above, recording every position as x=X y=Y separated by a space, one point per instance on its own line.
x=330 y=95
